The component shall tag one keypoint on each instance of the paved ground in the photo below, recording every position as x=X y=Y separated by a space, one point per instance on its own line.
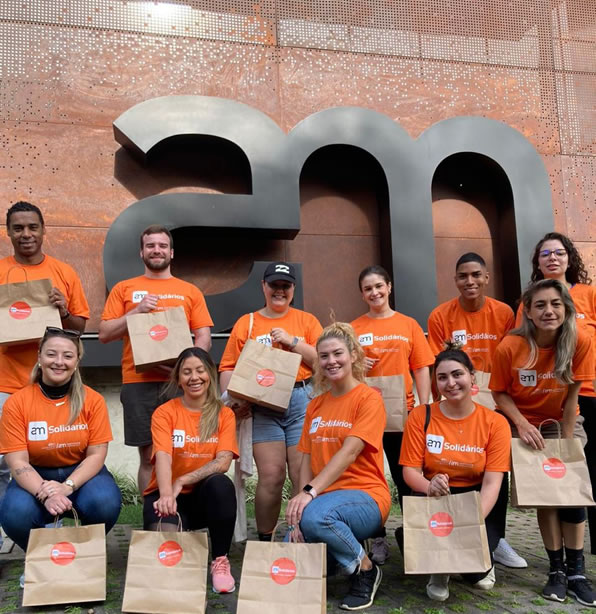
x=515 y=591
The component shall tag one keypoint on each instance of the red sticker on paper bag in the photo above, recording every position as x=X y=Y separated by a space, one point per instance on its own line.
x=283 y=571
x=19 y=310
x=63 y=553
x=554 y=468
x=169 y=553
x=440 y=524
x=265 y=377
x=158 y=332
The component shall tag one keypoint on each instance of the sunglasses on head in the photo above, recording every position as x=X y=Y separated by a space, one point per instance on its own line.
x=63 y=332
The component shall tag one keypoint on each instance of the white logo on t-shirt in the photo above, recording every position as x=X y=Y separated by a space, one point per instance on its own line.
x=178 y=437
x=460 y=336
x=38 y=431
x=365 y=339
x=139 y=295
x=527 y=377
x=434 y=443
x=314 y=425
x=264 y=339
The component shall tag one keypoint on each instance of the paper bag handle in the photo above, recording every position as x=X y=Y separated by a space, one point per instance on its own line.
x=551 y=420
x=16 y=266
x=74 y=515
x=178 y=528
x=281 y=522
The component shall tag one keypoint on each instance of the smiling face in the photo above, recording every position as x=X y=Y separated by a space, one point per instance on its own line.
x=471 y=279
x=375 y=292
x=194 y=379
x=278 y=295
x=26 y=234
x=547 y=310
x=335 y=360
x=157 y=252
x=58 y=358
x=553 y=259
x=454 y=380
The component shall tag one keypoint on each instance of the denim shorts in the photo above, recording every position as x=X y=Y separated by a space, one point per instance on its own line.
x=271 y=425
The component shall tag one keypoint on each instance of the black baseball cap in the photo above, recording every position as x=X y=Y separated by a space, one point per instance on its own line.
x=280 y=271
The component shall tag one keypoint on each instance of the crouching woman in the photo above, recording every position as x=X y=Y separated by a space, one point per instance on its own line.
x=345 y=498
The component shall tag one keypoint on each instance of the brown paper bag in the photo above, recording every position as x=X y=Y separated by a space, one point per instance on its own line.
x=484 y=395
x=25 y=311
x=65 y=565
x=392 y=390
x=554 y=477
x=166 y=572
x=265 y=375
x=158 y=337
x=444 y=535
x=283 y=578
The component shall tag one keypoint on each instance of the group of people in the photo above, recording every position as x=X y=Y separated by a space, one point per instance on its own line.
x=491 y=378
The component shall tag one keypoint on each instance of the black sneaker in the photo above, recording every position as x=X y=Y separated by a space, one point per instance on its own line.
x=556 y=587
x=580 y=588
x=363 y=587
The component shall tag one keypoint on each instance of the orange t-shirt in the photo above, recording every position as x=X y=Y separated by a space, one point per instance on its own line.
x=296 y=323
x=30 y=421
x=329 y=420
x=172 y=292
x=536 y=392
x=175 y=430
x=17 y=361
x=399 y=344
x=584 y=299
x=463 y=449
x=479 y=331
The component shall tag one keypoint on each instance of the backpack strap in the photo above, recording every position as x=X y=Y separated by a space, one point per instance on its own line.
x=427 y=419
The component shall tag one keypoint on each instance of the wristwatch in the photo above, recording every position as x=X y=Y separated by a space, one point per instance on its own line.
x=70 y=483
x=309 y=490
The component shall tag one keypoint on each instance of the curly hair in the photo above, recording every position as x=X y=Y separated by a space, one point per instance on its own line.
x=576 y=271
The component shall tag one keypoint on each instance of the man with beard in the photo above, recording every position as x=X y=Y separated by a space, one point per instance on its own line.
x=26 y=229
x=157 y=289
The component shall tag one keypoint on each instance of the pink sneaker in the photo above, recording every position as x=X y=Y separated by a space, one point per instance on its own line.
x=221 y=578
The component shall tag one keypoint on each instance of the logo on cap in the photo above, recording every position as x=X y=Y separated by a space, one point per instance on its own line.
x=63 y=553
x=554 y=468
x=282 y=268
x=169 y=553
x=440 y=524
x=265 y=377
x=283 y=571
x=158 y=332
x=19 y=310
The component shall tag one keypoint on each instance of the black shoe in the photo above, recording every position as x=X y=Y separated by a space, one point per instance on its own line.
x=363 y=587
x=556 y=587
x=399 y=538
x=580 y=588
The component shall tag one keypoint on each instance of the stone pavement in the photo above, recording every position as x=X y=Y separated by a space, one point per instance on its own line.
x=516 y=591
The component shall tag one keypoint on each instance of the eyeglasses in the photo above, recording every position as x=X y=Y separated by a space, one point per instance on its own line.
x=546 y=253
x=64 y=332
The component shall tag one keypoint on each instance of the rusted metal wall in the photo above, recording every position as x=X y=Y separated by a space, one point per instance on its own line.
x=69 y=68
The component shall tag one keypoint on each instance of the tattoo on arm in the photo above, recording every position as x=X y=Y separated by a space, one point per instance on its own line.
x=217 y=465
x=25 y=469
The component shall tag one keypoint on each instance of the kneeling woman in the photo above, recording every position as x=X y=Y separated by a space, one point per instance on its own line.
x=483 y=434
x=345 y=498
x=554 y=359
x=55 y=435
x=194 y=442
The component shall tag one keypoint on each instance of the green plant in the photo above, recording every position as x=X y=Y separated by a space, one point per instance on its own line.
x=128 y=487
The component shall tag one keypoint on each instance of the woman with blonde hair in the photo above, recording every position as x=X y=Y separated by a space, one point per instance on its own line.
x=54 y=434
x=344 y=498
x=194 y=442
x=537 y=373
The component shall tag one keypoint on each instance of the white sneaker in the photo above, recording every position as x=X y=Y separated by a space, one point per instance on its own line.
x=507 y=556
x=438 y=587
x=379 y=550
x=487 y=582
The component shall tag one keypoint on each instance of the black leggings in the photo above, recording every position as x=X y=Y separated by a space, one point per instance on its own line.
x=211 y=504
x=392 y=447
x=587 y=408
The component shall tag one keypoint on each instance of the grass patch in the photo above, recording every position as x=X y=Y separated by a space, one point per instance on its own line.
x=539 y=601
x=457 y=607
x=128 y=487
x=131 y=514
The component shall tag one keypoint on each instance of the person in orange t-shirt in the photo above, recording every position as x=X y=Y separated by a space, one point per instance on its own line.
x=556 y=257
x=156 y=290
x=55 y=435
x=194 y=442
x=26 y=229
x=537 y=373
x=275 y=435
x=345 y=498
x=456 y=446
x=394 y=345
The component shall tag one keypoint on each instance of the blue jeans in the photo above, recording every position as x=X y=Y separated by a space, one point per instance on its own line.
x=342 y=519
x=97 y=501
x=4 y=470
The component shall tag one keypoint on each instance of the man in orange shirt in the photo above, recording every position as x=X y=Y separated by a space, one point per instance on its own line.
x=479 y=323
x=26 y=229
x=157 y=289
